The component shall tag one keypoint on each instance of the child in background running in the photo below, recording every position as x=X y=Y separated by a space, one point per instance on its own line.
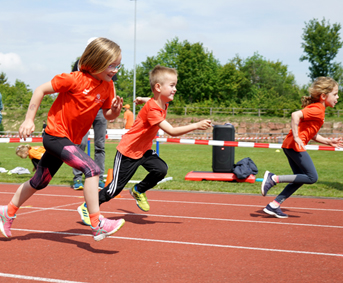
x=81 y=95
x=35 y=153
x=134 y=149
x=305 y=126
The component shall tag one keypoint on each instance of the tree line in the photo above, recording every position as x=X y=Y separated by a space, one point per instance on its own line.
x=252 y=82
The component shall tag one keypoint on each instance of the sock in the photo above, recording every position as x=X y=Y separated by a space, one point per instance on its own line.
x=11 y=209
x=274 y=204
x=94 y=219
x=275 y=179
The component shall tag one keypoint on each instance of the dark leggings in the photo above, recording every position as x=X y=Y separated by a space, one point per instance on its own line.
x=304 y=173
x=59 y=150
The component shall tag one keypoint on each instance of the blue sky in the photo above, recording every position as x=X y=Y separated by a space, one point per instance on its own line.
x=40 y=39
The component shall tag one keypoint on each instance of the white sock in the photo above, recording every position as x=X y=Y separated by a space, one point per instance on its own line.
x=273 y=204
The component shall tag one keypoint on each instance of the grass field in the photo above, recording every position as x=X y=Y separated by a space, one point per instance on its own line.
x=182 y=159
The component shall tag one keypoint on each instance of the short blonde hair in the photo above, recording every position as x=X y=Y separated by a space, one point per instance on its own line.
x=22 y=149
x=158 y=75
x=321 y=85
x=98 y=55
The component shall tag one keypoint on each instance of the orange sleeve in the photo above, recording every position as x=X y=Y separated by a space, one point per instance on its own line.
x=36 y=152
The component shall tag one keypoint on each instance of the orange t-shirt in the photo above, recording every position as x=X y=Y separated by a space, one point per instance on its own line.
x=308 y=127
x=36 y=152
x=128 y=116
x=139 y=138
x=79 y=100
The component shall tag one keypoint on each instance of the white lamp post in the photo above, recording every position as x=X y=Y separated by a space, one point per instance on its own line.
x=134 y=65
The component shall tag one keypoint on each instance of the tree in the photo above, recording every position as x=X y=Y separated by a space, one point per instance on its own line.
x=124 y=85
x=197 y=71
x=3 y=79
x=321 y=45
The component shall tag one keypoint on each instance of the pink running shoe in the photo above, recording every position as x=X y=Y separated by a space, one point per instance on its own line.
x=5 y=222
x=106 y=227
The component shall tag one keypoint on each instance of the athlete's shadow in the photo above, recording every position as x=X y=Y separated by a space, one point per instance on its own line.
x=65 y=237
x=260 y=214
x=138 y=218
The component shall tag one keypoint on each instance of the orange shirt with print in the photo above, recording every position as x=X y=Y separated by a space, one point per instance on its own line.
x=128 y=116
x=308 y=127
x=79 y=100
x=36 y=152
x=141 y=135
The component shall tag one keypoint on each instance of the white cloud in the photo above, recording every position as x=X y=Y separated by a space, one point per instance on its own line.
x=10 y=61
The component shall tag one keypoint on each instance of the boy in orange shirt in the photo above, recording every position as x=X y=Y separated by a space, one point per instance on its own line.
x=134 y=149
x=305 y=126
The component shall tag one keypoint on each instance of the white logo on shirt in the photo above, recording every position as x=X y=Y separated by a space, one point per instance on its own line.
x=98 y=99
x=86 y=91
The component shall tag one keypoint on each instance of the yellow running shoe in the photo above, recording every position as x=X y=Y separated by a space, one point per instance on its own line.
x=83 y=211
x=141 y=200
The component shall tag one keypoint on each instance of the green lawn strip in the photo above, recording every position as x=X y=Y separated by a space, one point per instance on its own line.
x=182 y=159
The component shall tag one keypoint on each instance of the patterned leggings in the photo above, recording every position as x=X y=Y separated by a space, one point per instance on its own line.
x=59 y=150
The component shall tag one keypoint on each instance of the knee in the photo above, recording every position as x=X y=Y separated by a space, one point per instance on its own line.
x=92 y=171
x=161 y=171
x=313 y=178
x=41 y=179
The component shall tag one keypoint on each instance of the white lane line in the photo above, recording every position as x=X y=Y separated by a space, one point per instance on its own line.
x=7 y=275
x=188 y=243
x=38 y=209
x=229 y=220
x=194 y=202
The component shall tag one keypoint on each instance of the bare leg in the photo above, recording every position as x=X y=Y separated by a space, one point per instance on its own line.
x=91 y=194
x=23 y=193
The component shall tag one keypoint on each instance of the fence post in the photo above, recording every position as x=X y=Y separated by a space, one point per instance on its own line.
x=185 y=111
x=210 y=111
x=259 y=112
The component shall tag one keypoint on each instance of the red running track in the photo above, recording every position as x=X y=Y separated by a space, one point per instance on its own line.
x=185 y=237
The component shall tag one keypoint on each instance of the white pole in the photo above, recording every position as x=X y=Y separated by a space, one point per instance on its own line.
x=134 y=67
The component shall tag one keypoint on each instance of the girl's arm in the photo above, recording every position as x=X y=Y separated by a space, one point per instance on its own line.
x=337 y=142
x=28 y=126
x=296 y=116
x=114 y=111
x=178 y=131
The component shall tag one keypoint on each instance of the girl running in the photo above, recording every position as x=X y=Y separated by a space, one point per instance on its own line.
x=81 y=95
x=305 y=126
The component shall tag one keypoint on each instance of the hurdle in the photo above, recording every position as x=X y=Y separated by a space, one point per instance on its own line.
x=243 y=144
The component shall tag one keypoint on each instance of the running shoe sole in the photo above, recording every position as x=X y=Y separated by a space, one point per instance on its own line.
x=265 y=177
x=104 y=235
x=273 y=213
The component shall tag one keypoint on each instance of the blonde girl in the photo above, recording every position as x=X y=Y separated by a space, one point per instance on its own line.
x=305 y=126
x=81 y=95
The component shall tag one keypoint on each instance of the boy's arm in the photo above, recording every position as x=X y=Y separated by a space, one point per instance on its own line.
x=141 y=100
x=28 y=126
x=178 y=131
